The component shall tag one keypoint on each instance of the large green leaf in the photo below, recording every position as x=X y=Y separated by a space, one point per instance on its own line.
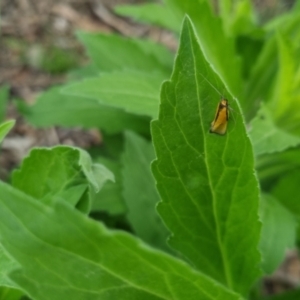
x=275 y=240
x=217 y=47
x=113 y=53
x=267 y=137
x=139 y=191
x=61 y=173
x=206 y=181
x=65 y=255
x=133 y=92
x=54 y=108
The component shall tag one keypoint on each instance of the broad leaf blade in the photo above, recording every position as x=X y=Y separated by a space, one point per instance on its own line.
x=65 y=255
x=133 y=92
x=139 y=191
x=54 y=108
x=61 y=173
x=206 y=181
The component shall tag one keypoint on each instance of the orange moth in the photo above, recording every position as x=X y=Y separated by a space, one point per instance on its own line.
x=219 y=124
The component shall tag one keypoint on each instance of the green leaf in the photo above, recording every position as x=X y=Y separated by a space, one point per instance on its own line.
x=115 y=53
x=110 y=199
x=4 y=90
x=89 y=70
x=60 y=173
x=10 y=294
x=133 y=92
x=286 y=189
x=63 y=254
x=213 y=40
x=206 y=181
x=244 y=22
x=267 y=137
x=5 y=127
x=249 y=48
x=139 y=191
x=152 y=13
x=270 y=167
x=262 y=79
x=6 y=266
x=239 y=20
x=238 y=16
x=285 y=101
x=54 y=108
x=96 y=174
x=275 y=240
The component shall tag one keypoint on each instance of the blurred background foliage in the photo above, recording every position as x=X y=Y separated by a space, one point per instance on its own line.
x=88 y=73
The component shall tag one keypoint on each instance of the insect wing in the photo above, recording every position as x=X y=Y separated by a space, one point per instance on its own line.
x=219 y=124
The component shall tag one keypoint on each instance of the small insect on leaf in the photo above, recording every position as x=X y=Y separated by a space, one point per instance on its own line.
x=219 y=124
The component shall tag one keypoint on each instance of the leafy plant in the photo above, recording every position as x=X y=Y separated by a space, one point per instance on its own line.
x=220 y=198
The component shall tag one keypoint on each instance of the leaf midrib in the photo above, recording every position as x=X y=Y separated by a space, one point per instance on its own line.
x=222 y=250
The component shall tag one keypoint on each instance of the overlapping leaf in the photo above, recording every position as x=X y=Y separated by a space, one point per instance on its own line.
x=65 y=255
x=139 y=191
x=133 y=92
x=55 y=108
x=206 y=181
x=61 y=173
x=110 y=199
